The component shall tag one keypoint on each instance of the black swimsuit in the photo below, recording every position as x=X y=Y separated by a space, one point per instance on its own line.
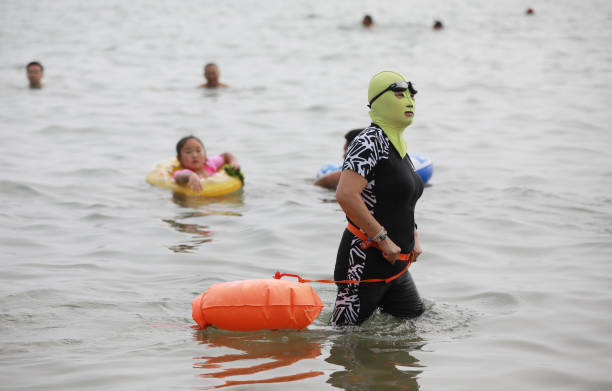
x=390 y=194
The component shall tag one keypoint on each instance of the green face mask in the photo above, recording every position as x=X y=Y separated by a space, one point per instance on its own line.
x=391 y=113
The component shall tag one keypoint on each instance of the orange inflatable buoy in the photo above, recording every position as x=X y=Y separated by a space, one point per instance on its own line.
x=257 y=304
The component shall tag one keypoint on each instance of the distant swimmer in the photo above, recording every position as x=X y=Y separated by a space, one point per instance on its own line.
x=529 y=11
x=211 y=73
x=35 y=72
x=330 y=175
x=437 y=25
x=367 y=22
x=195 y=165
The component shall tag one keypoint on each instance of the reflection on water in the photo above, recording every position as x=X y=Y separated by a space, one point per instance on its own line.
x=373 y=356
x=201 y=234
x=202 y=213
x=258 y=352
x=234 y=199
x=203 y=206
x=376 y=355
x=328 y=200
x=374 y=362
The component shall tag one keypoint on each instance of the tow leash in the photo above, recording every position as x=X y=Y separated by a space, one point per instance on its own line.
x=365 y=243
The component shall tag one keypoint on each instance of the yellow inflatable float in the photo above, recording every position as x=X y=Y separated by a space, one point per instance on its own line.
x=218 y=184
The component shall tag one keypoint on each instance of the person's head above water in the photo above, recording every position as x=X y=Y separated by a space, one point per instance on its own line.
x=437 y=25
x=367 y=21
x=349 y=136
x=190 y=152
x=211 y=73
x=329 y=177
x=35 y=73
x=391 y=102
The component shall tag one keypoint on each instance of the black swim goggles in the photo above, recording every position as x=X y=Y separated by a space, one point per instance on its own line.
x=398 y=86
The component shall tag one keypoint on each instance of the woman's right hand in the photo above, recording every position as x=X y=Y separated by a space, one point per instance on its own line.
x=389 y=250
x=194 y=182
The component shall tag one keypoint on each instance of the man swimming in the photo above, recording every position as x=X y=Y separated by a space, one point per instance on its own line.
x=211 y=73
x=35 y=72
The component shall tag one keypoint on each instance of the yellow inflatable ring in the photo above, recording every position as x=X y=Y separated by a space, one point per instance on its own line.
x=215 y=185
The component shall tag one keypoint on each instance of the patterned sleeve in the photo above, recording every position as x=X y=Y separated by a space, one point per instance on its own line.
x=365 y=151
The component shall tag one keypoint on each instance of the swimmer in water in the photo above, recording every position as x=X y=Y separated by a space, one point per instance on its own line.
x=196 y=165
x=367 y=22
x=35 y=73
x=437 y=25
x=211 y=73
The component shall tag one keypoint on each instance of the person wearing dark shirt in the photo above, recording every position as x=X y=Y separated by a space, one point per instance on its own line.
x=378 y=191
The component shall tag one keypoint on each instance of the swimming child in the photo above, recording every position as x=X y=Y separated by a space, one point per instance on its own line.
x=196 y=165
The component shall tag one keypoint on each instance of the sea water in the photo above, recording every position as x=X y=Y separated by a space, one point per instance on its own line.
x=99 y=268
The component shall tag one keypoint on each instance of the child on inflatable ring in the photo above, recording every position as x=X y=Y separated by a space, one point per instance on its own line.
x=196 y=165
